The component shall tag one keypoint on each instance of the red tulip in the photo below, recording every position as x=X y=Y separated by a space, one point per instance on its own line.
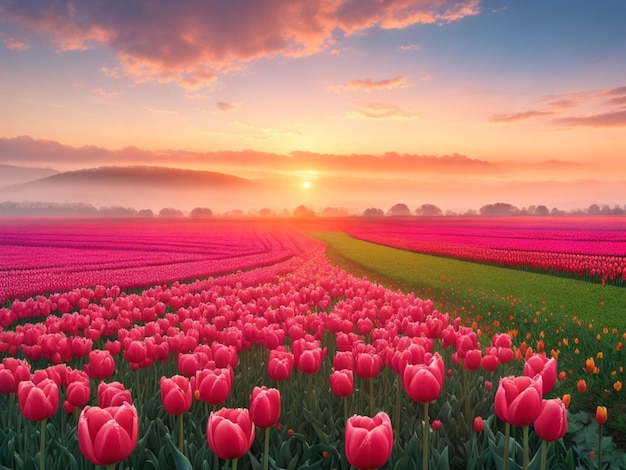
x=40 y=401
x=280 y=364
x=423 y=382
x=113 y=394
x=479 y=425
x=551 y=424
x=545 y=367
x=368 y=441
x=518 y=400
x=108 y=435
x=265 y=407
x=343 y=360
x=101 y=364
x=342 y=382
x=213 y=385
x=176 y=394
x=230 y=432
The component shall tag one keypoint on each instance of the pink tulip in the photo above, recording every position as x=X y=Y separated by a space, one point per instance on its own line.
x=551 y=424
x=101 y=364
x=213 y=385
x=424 y=382
x=40 y=401
x=113 y=394
x=107 y=436
x=280 y=364
x=176 y=394
x=539 y=364
x=342 y=382
x=265 y=407
x=518 y=400
x=472 y=359
x=368 y=441
x=367 y=365
x=230 y=432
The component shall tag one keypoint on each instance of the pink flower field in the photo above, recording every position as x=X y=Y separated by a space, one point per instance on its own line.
x=192 y=339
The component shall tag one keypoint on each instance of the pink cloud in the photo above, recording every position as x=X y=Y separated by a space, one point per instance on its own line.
x=370 y=85
x=223 y=106
x=190 y=43
x=12 y=43
x=373 y=110
x=614 y=119
x=505 y=118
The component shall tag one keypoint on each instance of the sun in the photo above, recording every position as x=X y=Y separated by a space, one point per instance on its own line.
x=306 y=184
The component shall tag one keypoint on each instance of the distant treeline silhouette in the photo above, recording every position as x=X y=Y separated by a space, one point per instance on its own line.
x=499 y=209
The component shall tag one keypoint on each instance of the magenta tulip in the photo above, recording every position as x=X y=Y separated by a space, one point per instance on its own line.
x=113 y=394
x=368 y=441
x=280 y=364
x=107 y=436
x=230 y=432
x=264 y=407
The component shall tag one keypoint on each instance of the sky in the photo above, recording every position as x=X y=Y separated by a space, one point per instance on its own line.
x=455 y=103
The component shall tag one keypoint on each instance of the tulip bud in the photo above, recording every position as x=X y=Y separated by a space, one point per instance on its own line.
x=264 y=407
x=601 y=415
x=368 y=441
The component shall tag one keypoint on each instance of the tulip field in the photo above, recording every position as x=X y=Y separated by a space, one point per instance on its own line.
x=178 y=343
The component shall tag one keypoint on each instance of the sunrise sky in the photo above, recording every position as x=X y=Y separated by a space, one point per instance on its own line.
x=456 y=103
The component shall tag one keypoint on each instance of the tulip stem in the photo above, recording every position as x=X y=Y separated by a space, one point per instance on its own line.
x=181 y=437
x=544 y=454
x=42 y=445
x=600 y=447
x=507 y=438
x=111 y=466
x=526 y=456
x=234 y=464
x=266 y=449
x=425 y=438
x=371 y=381
x=345 y=411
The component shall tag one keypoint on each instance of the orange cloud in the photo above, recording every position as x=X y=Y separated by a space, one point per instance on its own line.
x=190 y=43
x=12 y=43
x=370 y=85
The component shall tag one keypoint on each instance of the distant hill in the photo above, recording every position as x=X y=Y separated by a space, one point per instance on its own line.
x=11 y=174
x=139 y=187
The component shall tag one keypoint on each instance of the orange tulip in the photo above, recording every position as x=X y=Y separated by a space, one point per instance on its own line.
x=581 y=385
x=617 y=386
x=567 y=399
x=590 y=364
x=601 y=415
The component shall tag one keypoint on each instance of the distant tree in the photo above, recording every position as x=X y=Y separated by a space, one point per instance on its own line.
x=265 y=212
x=617 y=210
x=470 y=213
x=541 y=210
x=399 y=210
x=556 y=211
x=117 y=211
x=201 y=212
x=605 y=209
x=450 y=213
x=428 y=210
x=499 y=209
x=303 y=212
x=593 y=209
x=373 y=212
x=170 y=212
x=334 y=212
x=145 y=213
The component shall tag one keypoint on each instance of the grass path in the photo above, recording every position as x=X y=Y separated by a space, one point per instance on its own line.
x=487 y=292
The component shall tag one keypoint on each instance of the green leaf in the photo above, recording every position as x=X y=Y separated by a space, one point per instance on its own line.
x=181 y=462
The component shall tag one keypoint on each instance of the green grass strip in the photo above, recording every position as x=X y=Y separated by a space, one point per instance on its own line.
x=512 y=297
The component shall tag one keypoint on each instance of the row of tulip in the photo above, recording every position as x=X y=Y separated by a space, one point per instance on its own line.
x=59 y=255
x=572 y=248
x=217 y=332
